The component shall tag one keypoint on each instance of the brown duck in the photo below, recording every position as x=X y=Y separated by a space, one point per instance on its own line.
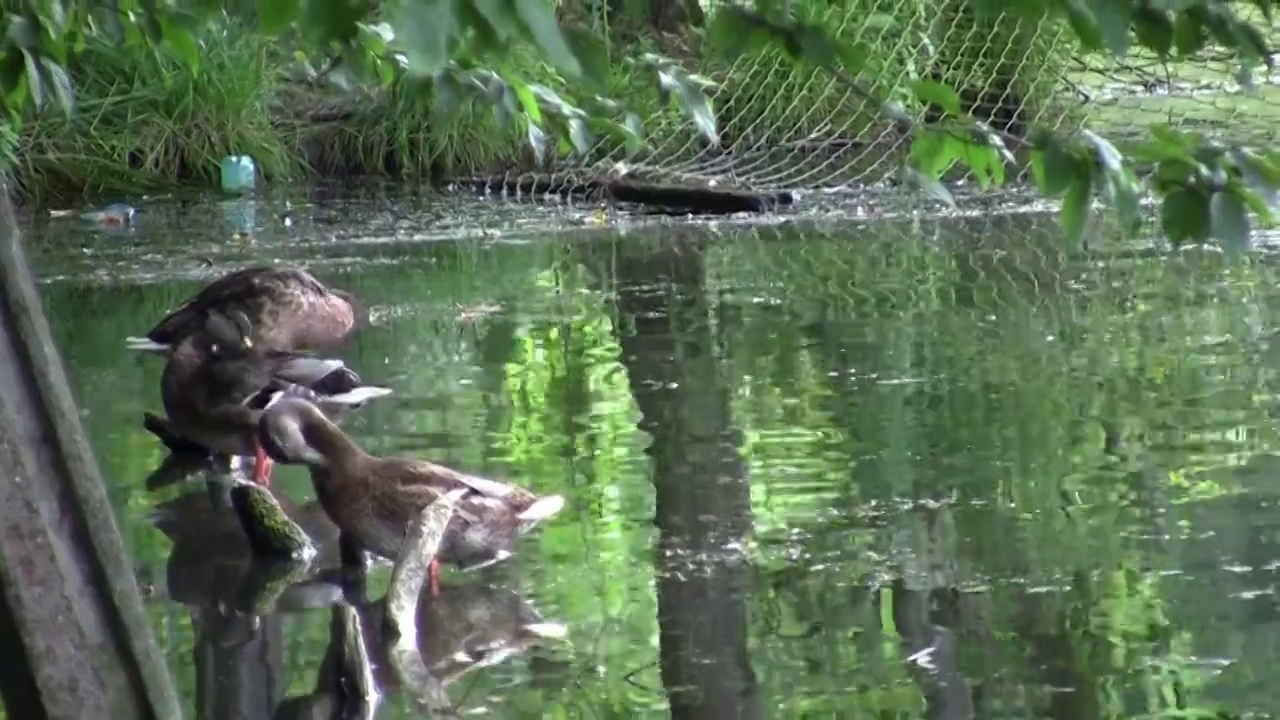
x=288 y=307
x=216 y=383
x=372 y=499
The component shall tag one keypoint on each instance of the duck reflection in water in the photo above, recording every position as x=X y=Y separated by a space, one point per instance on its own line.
x=238 y=603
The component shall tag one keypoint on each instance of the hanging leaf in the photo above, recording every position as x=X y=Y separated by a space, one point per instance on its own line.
x=693 y=101
x=539 y=19
x=182 y=46
x=1184 y=216
x=931 y=187
x=537 y=140
x=1077 y=206
x=1229 y=221
x=275 y=15
x=936 y=93
x=424 y=29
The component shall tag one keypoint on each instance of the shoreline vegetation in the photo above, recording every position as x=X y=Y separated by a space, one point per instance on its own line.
x=143 y=124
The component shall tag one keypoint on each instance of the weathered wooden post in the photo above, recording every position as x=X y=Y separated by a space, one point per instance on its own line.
x=68 y=586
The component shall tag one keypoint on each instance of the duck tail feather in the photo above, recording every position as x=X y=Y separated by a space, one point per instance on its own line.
x=306 y=370
x=542 y=508
x=548 y=630
x=358 y=396
x=498 y=557
x=145 y=344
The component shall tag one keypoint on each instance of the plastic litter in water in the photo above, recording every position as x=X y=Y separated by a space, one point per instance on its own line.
x=239 y=174
x=113 y=214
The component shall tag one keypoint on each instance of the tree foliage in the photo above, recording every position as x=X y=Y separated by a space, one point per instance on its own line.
x=463 y=48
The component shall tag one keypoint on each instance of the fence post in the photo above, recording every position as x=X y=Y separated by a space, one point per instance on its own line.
x=68 y=585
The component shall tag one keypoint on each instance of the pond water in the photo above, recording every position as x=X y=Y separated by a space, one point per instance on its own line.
x=941 y=468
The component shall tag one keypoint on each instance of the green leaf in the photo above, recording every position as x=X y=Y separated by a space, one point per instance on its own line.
x=984 y=162
x=424 y=29
x=1077 y=205
x=1125 y=194
x=693 y=101
x=1188 y=34
x=35 y=83
x=1229 y=221
x=57 y=80
x=590 y=50
x=931 y=187
x=1258 y=175
x=936 y=93
x=1084 y=24
x=580 y=136
x=275 y=15
x=732 y=33
x=501 y=15
x=503 y=98
x=537 y=140
x=1253 y=45
x=335 y=21
x=634 y=130
x=1108 y=156
x=539 y=19
x=529 y=102
x=182 y=46
x=1059 y=166
x=933 y=153
x=1038 y=170
x=1113 y=18
x=1154 y=29
x=1265 y=7
x=1185 y=216
x=446 y=93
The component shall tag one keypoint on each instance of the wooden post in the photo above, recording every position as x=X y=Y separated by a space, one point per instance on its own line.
x=68 y=585
x=400 y=633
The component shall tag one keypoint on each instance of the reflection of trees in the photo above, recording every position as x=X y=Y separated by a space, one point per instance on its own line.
x=866 y=371
x=703 y=504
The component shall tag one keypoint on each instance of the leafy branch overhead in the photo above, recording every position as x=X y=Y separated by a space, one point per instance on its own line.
x=1207 y=189
x=465 y=49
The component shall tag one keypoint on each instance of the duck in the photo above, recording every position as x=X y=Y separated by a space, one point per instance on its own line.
x=373 y=499
x=217 y=382
x=289 y=308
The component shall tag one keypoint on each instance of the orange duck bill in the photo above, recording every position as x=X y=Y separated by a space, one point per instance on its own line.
x=262 y=467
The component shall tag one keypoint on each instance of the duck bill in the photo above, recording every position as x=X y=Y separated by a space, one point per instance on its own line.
x=262 y=467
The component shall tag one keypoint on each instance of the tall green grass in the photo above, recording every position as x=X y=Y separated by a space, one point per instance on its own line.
x=143 y=122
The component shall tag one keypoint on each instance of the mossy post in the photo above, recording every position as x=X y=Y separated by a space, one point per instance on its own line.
x=70 y=598
x=421 y=543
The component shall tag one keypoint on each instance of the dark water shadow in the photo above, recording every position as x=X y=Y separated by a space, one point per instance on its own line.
x=703 y=503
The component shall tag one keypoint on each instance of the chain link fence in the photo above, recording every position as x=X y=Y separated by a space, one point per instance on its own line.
x=784 y=126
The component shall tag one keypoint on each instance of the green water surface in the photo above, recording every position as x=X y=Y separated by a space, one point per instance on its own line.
x=933 y=469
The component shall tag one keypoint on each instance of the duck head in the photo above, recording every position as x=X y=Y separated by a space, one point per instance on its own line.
x=289 y=431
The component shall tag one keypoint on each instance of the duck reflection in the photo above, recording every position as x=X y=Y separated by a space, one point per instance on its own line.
x=467 y=627
x=238 y=604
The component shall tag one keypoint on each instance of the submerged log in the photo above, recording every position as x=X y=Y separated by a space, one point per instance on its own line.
x=682 y=196
x=69 y=589
x=696 y=200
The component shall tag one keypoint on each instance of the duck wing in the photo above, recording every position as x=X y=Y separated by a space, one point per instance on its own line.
x=236 y=288
x=425 y=482
x=479 y=492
